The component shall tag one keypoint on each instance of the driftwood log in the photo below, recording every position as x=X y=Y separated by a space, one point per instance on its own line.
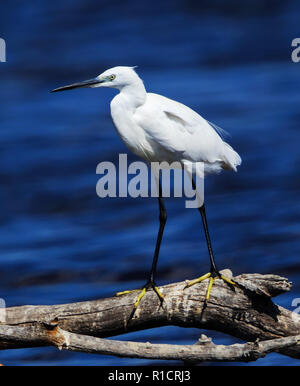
x=245 y=312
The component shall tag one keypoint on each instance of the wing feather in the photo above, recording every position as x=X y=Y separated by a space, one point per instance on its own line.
x=178 y=129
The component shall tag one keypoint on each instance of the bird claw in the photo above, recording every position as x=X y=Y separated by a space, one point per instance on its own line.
x=126 y=292
x=143 y=292
x=212 y=276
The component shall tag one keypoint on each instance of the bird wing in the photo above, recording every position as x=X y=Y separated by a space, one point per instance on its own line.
x=177 y=128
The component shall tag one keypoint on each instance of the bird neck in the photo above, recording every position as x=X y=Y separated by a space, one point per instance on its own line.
x=134 y=94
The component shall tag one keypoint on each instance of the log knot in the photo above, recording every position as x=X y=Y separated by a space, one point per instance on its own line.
x=54 y=335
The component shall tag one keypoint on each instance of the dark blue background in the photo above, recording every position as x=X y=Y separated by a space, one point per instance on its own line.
x=228 y=60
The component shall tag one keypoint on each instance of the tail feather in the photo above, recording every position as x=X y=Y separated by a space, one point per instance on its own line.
x=231 y=158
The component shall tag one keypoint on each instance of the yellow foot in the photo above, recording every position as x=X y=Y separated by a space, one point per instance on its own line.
x=142 y=293
x=212 y=276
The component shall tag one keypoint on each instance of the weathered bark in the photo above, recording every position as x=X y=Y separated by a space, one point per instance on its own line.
x=203 y=350
x=246 y=312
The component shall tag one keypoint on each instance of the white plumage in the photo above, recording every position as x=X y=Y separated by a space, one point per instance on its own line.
x=157 y=128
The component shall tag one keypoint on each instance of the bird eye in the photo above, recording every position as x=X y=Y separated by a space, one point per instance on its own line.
x=112 y=77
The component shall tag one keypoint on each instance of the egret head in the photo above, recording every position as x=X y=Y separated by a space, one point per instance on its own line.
x=116 y=77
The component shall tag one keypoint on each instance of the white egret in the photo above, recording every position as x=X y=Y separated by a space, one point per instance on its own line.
x=159 y=129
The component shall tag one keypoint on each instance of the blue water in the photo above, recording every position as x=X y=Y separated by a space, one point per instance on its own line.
x=61 y=243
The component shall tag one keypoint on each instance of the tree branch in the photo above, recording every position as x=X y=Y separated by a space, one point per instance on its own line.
x=203 y=350
x=247 y=312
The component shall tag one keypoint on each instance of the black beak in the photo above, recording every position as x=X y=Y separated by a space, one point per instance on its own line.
x=85 y=83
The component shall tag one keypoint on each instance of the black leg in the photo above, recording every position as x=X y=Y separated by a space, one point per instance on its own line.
x=162 y=223
x=213 y=267
x=214 y=272
x=151 y=281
